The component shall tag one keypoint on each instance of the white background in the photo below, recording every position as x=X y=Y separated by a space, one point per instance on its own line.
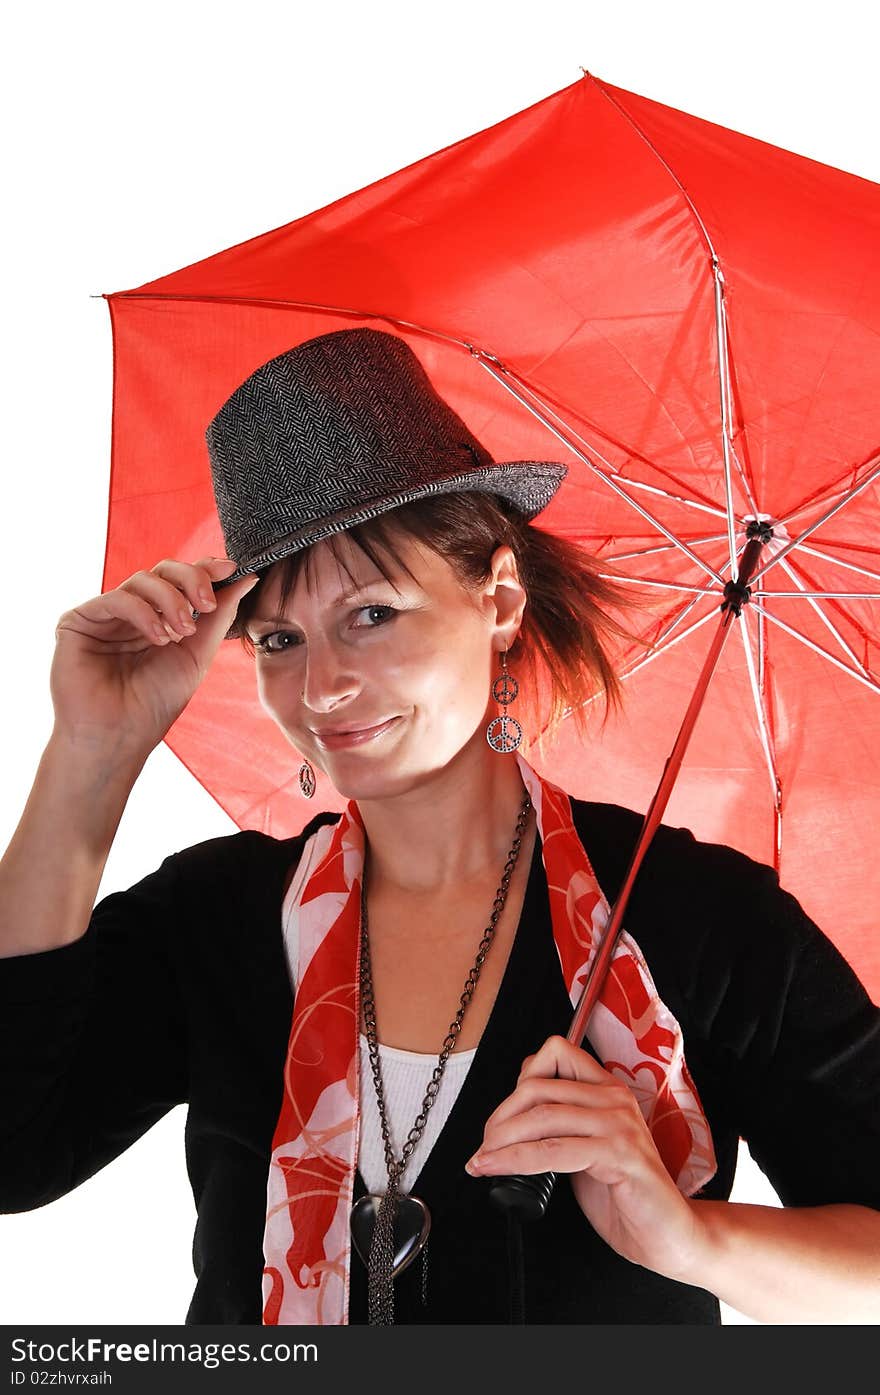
x=138 y=139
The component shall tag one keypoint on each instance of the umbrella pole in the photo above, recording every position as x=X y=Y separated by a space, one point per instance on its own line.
x=529 y=1195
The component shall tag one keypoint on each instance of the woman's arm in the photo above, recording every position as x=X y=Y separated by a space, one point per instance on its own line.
x=802 y=1264
x=93 y=1042
x=51 y=871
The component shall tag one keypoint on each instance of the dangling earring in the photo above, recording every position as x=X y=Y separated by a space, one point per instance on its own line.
x=504 y=734
x=307 y=780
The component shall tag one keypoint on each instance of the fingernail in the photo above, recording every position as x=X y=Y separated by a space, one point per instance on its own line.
x=474 y=1164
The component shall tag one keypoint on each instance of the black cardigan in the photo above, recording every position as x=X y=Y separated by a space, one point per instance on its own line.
x=179 y=991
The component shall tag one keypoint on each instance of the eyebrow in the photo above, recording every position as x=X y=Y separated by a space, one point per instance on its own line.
x=344 y=599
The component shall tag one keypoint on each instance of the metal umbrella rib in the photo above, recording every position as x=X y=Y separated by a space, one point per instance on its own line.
x=867 y=678
x=757 y=686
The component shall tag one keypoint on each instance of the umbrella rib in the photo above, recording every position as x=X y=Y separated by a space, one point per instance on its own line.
x=661 y=581
x=667 y=494
x=869 y=682
x=761 y=625
x=833 y=493
x=606 y=479
x=809 y=505
x=659 y=650
x=276 y=303
x=658 y=547
x=838 y=561
x=721 y=330
x=652 y=147
x=826 y=621
x=819 y=595
x=656 y=652
x=800 y=595
x=571 y=433
x=758 y=692
x=795 y=542
x=724 y=389
x=669 y=585
x=657 y=646
x=704 y=591
x=763 y=728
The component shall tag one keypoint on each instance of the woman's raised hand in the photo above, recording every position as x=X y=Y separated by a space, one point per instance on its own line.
x=128 y=661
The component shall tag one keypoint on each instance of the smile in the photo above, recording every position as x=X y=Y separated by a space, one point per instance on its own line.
x=336 y=740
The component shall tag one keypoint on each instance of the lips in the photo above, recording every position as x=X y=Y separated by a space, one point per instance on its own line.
x=337 y=738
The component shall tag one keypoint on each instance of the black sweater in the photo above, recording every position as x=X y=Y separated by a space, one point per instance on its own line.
x=179 y=991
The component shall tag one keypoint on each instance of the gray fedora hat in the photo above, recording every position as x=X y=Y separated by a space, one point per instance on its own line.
x=337 y=430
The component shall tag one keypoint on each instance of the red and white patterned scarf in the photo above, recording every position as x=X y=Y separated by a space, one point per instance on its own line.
x=307 y=1241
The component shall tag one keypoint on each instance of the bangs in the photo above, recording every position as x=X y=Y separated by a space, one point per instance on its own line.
x=376 y=539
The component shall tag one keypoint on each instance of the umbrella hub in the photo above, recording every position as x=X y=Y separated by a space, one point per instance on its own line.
x=759 y=528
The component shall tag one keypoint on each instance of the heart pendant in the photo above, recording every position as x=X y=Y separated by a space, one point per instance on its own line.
x=412 y=1224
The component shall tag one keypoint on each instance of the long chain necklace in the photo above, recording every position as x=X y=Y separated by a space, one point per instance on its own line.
x=395 y=1227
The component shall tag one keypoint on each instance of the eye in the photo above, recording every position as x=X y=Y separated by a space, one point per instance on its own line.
x=376 y=615
x=264 y=647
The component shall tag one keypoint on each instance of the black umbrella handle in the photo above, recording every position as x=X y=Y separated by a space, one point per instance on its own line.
x=527 y=1197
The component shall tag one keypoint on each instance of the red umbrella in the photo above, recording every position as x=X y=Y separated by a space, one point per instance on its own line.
x=691 y=319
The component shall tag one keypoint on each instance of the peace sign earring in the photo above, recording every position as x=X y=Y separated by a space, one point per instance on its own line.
x=307 y=782
x=504 y=734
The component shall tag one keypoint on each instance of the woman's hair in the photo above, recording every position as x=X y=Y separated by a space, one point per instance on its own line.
x=565 y=633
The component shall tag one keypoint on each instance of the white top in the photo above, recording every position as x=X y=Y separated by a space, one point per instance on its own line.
x=405 y=1078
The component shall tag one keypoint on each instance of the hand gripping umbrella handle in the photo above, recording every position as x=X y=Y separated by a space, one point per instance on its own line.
x=529 y=1196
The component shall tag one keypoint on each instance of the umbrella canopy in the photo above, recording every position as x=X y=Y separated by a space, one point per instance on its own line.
x=691 y=319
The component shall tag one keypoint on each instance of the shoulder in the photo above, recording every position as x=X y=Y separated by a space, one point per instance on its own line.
x=247 y=855
x=678 y=867
x=704 y=894
x=731 y=947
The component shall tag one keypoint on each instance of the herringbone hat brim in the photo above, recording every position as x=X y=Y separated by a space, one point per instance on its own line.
x=338 y=430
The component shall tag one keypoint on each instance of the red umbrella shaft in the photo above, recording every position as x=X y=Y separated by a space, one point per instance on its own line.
x=735 y=594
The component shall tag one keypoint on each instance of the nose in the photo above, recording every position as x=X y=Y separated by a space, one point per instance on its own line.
x=329 y=680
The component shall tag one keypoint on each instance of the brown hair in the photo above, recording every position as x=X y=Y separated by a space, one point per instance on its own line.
x=565 y=630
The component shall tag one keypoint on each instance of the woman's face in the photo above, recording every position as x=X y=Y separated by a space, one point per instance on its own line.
x=381 y=685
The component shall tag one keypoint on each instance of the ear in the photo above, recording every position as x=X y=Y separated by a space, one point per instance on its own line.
x=506 y=597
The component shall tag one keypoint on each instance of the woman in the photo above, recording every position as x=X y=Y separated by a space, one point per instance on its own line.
x=345 y=1121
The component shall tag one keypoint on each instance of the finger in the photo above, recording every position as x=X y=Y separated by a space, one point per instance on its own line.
x=538 y=1090
x=559 y=1057
x=196 y=579
x=178 y=588
x=99 y=617
x=174 y=588
x=601 y=1157
x=166 y=598
x=552 y=1120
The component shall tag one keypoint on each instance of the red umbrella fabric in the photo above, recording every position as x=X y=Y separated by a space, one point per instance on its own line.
x=687 y=316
